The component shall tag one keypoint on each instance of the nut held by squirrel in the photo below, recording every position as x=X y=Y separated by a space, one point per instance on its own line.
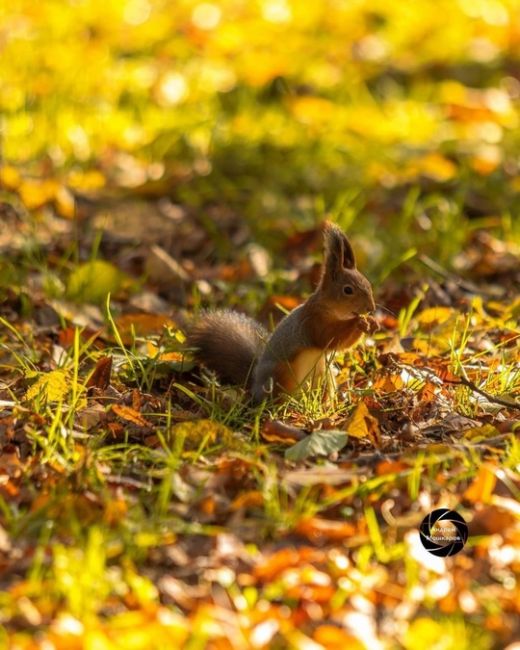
x=297 y=354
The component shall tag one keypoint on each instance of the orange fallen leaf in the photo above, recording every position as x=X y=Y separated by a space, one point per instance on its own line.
x=250 y=499
x=391 y=467
x=388 y=384
x=115 y=511
x=268 y=569
x=130 y=415
x=333 y=637
x=130 y=325
x=482 y=487
x=208 y=505
x=316 y=528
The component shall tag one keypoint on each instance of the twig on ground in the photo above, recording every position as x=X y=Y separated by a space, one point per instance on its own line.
x=490 y=398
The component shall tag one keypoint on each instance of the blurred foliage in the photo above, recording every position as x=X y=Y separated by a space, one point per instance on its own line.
x=282 y=111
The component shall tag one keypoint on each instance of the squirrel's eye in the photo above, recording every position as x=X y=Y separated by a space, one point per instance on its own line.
x=348 y=290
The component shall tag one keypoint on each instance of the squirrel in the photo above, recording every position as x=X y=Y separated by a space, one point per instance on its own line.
x=297 y=354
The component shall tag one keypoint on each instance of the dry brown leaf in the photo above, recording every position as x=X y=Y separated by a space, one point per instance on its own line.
x=100 y=377
x=491 y=520
x=277 y=431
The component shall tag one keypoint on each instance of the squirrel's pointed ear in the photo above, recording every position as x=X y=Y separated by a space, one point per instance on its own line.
x=338 y=251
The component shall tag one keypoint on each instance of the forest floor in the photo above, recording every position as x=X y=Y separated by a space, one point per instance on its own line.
x=159 y=161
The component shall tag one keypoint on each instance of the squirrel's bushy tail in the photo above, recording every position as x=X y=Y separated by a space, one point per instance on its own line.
x=229 y=343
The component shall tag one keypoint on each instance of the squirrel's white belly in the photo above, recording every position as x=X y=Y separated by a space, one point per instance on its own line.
x=309 y=366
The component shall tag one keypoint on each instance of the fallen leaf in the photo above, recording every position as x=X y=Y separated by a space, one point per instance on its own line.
x=130 y=415
x=100 y=377
x=318 y=443
x=197 y=432
x=90 y=416
x=10 y=177
x=318 y=529
x=134 y=325
x=491 y=520
x=65 y=203
x=475 y=434
x=318 y=475
x=482 y=487
x=333 y=637
x=429 y=318
x=52 y=386
x=391 y=467
x=271 y=566
x=92 y=281
x=277 y=431
x=35 y=193
x=364 y=425
x=163 y=269
x=250 y=499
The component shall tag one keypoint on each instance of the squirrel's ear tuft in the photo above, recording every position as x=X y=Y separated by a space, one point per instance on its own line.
x=338 y=251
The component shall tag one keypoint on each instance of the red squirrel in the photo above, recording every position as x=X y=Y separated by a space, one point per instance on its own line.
x=297 y=354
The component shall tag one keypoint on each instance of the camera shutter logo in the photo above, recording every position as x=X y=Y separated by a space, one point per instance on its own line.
x=443 y=532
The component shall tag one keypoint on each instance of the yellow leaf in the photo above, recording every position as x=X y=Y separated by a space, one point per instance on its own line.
x=426 y=633
x=86 y=180
x=177 y=357
x=65 y=204
x=9 y=177
x=36 y=193
x=92 y=281
x=52 y=386
x=363 y=425
x=197 y=432
x=312 y=110
x=476 y=434
x=434 y=316
x=436 y=167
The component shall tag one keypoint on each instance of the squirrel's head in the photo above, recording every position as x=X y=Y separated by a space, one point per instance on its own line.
x=345 y=290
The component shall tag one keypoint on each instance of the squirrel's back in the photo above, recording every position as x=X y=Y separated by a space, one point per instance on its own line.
x=229 y=343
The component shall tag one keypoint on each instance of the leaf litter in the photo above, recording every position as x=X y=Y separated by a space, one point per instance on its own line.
x=142 y=504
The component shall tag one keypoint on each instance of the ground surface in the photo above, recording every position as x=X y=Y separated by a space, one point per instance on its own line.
x=158 y=159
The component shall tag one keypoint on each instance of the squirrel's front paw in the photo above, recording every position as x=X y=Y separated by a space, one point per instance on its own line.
x=367 y=324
